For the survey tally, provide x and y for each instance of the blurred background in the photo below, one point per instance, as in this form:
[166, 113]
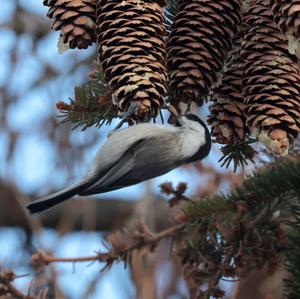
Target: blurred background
[38, 155]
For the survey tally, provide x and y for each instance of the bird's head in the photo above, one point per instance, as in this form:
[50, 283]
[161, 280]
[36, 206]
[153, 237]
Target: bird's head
[194, 126]
[191, 122]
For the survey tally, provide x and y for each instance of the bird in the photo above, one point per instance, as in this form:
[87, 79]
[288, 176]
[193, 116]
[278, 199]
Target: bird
[136, 154]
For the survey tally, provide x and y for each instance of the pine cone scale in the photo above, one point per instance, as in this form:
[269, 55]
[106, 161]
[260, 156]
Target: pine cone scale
[227, 116]
[271, 80]
[132, 52]
[199, 43]
[75, 19]
[287, 16]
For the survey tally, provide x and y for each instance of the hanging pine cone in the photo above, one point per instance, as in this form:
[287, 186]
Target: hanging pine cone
[227, 116]
[131, 47]
[75, 19]
[199, 44]
[271, 80]
[287, 15]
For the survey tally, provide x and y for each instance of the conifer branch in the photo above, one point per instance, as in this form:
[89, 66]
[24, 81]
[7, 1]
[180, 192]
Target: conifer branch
[229, 236]
[239, 155]
[292, 285]
[91, 106]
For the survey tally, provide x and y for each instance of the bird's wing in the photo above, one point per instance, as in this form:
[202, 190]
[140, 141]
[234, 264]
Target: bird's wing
[91, 184]
[117, 144]
[115, 172]
[122, 161]
[146, 158]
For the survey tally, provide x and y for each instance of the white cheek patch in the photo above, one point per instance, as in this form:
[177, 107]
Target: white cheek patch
[192, 139]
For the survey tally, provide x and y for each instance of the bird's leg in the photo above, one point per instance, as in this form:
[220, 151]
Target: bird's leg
[173, 112]
[161, 116]
[131, 110]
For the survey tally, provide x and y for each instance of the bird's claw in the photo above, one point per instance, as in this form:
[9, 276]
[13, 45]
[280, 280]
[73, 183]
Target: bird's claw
[131, 110]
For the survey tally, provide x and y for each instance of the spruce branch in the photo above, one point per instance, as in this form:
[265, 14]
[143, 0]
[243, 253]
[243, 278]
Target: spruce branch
[91, 106]
[229, 236]
[239, 154]
[292, 285]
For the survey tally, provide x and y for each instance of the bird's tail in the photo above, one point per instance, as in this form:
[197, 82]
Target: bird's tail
[54, 199]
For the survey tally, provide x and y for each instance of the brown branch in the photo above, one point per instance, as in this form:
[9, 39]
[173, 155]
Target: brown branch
[105, 214]
[98, 101]
[178, 193]
[7, 288]
[151, 240]
[64, 107]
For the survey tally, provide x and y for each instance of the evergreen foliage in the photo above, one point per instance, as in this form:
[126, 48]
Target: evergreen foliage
[239, 154]
[292, 285]
[91, 105]
[257, 224]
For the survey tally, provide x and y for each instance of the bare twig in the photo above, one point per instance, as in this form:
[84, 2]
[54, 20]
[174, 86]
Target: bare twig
[6, 286]
[140, 240]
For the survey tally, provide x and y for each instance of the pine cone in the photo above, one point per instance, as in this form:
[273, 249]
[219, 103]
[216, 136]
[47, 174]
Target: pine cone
[227, 116]
[75, 19]
[131, 49]
[287, 15]
[199, 44]
[271, 80]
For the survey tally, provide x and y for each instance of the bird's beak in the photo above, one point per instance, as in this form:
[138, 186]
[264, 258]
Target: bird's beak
[174, 113]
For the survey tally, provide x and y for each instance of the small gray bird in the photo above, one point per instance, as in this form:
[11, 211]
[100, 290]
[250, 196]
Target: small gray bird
[137, 154]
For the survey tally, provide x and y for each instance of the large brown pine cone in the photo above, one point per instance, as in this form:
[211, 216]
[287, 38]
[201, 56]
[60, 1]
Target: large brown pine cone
[75, 19]
[199, 44]
[287, 16]
[271, 80]
[227, 116]
[130, 35]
